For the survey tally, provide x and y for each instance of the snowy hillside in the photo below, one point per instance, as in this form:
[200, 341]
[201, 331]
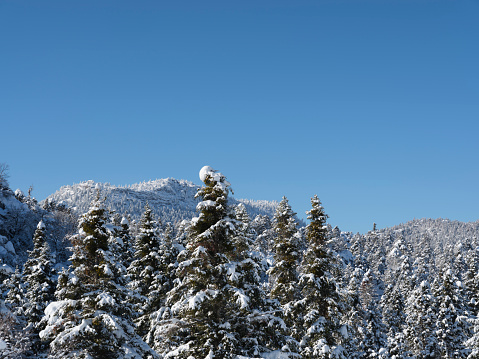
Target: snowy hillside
[170, 199]
[19, 216]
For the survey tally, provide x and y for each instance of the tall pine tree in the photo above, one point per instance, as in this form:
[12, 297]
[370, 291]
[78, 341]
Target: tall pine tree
[321, 313]
[220, 311]
[92, 317]
[37, 274]
[144, 270]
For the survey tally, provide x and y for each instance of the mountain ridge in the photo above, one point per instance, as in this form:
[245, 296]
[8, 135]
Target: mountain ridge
[169, 198]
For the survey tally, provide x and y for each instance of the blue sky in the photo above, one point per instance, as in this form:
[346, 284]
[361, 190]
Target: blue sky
[372, 105]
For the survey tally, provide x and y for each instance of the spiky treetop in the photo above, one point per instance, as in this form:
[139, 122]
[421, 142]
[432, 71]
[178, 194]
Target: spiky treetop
[316, 231]
[146, 258]
[218, 303]
[319, 328]
[37, 275]
[283, 274]
[210, 229]
[420, 328]
[285, 225]
[93, 318]
[92, 237]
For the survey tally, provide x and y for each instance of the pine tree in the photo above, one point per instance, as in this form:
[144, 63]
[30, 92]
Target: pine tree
[219, 309]
[284, 275]
[15, 341]
[451, 323]
[471, 282]
[123, 244]
[392, 303]
[354, 314]
[37, 274]
[320, 299]
[374, 341]
[39, 285]
[145, 269]
[16, 337]
[163, 282]
[16, 294]
[420, 324]
[92, 318]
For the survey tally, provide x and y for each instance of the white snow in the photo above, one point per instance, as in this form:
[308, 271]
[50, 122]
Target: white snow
[206, 170]
[3, 251]
[277, 354]
[105, 299]
[205, 204]
[107, 270]
[3, 345]
[124, 221]
[200, 297]
[242, 299]
[41, 225]
[196, 299]
[53, 307]
[6, 268]
[215, 176]
[9, 247]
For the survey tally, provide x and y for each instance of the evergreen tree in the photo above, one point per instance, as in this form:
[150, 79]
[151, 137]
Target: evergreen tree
[163, 282]
[145, 269]
[374, 341]
[37, 274]
[392, 303]
[451, 323]
[15, 341]
[420, 328]
[471, 282]
[284, 275]
[15, 300]
[219, 309]
[123, 247]
[354, 314]
[92, 318]
[320, 299]
[39, 285]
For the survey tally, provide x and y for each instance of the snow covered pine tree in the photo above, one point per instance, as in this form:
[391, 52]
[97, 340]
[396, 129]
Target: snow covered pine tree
[92, 317]
[219, 308]
[37, 275]
[321, 317]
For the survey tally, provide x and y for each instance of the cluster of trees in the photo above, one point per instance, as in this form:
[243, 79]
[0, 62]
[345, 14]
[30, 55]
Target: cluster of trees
[224, 286]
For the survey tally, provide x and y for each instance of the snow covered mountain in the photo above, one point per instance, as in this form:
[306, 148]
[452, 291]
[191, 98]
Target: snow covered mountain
[170, 199]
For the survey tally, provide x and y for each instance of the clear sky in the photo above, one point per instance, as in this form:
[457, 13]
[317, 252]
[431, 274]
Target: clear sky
[372, 105]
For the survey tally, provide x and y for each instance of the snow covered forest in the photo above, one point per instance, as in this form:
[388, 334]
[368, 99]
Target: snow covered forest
[97, 271]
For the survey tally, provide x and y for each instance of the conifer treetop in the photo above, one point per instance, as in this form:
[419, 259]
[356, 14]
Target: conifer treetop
[316, 231]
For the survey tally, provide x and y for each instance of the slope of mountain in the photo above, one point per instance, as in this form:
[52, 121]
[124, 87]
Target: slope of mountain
[170, 199]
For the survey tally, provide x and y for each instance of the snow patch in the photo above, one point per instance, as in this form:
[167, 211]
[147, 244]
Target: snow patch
[105, 299]
[9, 247]
[41, 225]
[205, 171]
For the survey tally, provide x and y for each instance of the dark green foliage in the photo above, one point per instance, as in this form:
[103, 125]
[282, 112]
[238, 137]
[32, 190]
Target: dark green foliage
[318, 327]
[220, 309]
[284, 274]
[92, 318]
[37, 274]
[451, 324]
[144, 271]
[420, 326]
